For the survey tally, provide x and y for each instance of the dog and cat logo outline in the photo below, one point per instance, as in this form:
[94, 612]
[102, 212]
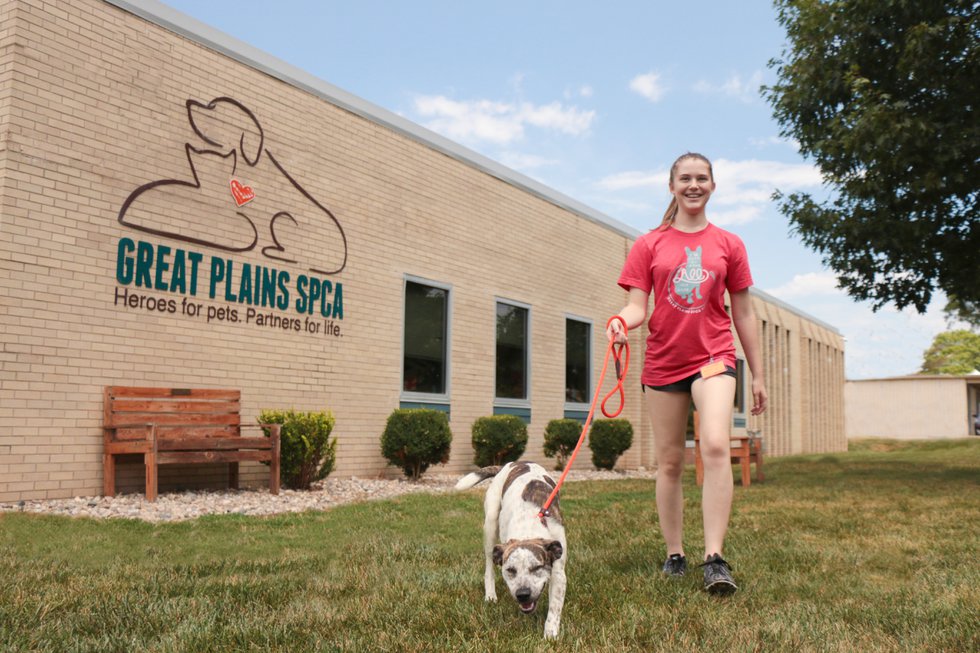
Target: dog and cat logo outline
[686, 281]
[241, 218]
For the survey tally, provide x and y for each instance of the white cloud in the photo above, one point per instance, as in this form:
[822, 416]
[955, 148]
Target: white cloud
[521, 161]
[757, 195]
[634, 179]
[808, 285]
[762, 143]
[744, 91]
[738, 215]
[498, 122]
[743, 188]
[770, 174]
[584, 90]
[886, 343]
[615, 206]
[648, 86]
[555, 116]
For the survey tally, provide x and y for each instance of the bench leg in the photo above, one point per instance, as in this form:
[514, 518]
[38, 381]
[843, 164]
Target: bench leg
[233, 476]
[742, 456]
[746, 470]
[108, 475]
[150, 459]
[274, 464]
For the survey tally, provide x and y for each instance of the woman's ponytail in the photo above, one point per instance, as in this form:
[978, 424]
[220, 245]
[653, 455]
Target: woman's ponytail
[670, 214]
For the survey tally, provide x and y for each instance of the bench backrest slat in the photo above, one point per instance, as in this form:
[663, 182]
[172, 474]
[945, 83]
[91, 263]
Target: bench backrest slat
[176, 412]
[200, 393]
[127, 405]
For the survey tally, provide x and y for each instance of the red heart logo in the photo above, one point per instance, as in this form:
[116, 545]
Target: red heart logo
[242, 194]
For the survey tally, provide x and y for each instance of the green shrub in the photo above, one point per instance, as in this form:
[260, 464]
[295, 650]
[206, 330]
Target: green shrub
[608, 439]
[498, 439]
[415, 438]
[306, 453]
[560, 438]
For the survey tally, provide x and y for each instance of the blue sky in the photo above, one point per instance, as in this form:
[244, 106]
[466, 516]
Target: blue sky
[595, 100]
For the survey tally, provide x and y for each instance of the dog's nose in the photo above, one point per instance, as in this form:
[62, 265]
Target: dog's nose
[523, 595]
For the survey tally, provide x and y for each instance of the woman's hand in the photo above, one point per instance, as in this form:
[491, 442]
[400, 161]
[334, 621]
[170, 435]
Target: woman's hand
[760, 398]
[615, 332]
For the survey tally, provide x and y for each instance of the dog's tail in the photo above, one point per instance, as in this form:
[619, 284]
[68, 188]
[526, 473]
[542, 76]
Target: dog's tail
[478, 476]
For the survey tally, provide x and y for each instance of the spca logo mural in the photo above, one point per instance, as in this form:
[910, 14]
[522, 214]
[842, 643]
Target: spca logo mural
[235, 196]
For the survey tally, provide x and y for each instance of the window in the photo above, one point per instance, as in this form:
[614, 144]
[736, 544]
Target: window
[512, 346]
[578, 353]
[425, 363]
[739, 386]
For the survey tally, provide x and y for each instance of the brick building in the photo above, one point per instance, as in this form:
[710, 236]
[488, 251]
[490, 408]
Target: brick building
[178, 209]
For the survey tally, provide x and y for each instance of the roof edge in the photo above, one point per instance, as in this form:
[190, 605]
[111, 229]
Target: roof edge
[763, 295]
[969, 378]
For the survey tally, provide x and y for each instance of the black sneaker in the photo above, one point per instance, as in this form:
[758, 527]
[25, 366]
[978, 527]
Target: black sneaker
[675, 565]
[718, 576]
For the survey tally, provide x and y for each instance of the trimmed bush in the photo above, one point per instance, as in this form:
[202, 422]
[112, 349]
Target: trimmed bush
[560, 438]
[306, 453]
[498, 439]
[415, 438]
[608, 440]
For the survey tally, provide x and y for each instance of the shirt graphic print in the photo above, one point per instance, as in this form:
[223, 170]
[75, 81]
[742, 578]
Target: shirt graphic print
[686, 281]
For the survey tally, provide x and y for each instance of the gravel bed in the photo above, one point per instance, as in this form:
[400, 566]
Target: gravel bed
[178, 506]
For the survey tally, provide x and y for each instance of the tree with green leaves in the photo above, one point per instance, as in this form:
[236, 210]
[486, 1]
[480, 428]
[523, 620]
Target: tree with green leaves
[881, 94]
[953, 352]
[957, 310]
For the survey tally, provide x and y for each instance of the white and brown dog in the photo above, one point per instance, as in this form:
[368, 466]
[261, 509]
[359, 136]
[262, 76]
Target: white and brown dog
[531, 549]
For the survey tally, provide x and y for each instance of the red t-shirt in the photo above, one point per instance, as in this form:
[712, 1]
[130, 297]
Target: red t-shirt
[687, 273]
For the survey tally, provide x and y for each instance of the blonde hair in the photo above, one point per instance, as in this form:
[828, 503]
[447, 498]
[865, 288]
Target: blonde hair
[671, 211]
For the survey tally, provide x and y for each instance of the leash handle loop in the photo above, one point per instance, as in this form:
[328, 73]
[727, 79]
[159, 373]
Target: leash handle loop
[620, 352]
[621, 356]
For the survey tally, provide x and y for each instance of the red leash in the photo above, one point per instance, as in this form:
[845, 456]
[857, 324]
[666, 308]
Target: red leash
[622, 362]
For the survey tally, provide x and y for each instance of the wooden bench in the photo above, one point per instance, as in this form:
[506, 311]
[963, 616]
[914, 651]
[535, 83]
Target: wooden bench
[176, 425]
[746, 449]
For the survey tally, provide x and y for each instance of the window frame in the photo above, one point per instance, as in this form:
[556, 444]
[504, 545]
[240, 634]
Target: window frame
[507, 402]
[741, 376]
[427, 397]
[572, 406]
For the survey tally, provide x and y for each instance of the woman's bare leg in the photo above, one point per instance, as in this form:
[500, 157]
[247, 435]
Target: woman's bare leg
[713, 398]
[668, 414]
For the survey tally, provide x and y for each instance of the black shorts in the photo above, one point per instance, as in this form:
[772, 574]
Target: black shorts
[684, 385]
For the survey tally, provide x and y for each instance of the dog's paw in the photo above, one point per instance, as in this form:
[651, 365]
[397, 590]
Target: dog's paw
[490, 598]
[551, 627]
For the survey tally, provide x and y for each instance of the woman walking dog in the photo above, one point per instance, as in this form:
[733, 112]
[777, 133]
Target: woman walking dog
[688, 264]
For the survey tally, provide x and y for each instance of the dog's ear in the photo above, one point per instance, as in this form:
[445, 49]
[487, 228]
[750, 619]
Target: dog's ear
[554, 549]
[498, 554]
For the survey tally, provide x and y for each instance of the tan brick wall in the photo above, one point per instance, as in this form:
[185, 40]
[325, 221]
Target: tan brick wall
[911, 407]
[93, 106]
[97, 109]
[804, 367]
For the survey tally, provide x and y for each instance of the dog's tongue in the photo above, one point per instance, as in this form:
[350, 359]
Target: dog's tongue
[529, 606]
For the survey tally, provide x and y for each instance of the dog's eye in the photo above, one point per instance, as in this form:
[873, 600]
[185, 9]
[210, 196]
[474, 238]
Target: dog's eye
[511, 571]
[537, 569]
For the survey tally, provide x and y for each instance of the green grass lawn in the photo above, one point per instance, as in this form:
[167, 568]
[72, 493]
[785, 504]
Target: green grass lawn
[871, 550]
